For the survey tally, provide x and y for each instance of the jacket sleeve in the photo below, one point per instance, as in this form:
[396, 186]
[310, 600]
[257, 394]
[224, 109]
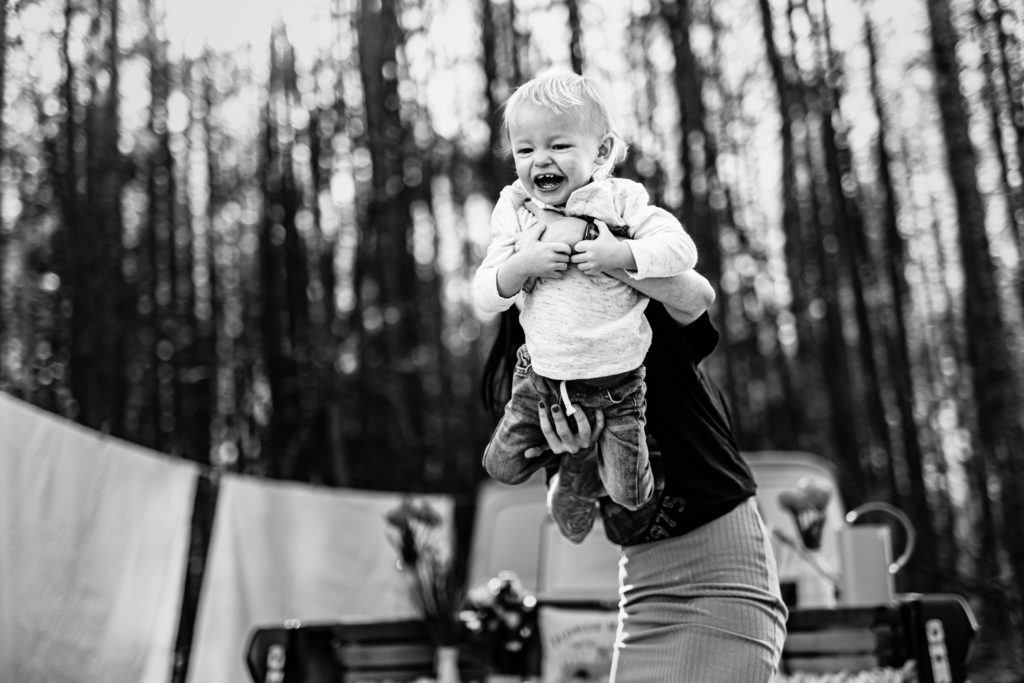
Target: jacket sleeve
[660, 244]
[504, 225]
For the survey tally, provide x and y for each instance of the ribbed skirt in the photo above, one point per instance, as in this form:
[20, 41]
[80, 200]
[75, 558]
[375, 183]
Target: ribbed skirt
[701, 608]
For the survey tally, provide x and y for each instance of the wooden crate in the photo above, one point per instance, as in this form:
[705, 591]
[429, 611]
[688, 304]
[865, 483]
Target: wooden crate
[371, 652]
[823, 641]
[383, 651]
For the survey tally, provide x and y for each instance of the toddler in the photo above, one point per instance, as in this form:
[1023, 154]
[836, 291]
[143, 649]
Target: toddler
[586, 333]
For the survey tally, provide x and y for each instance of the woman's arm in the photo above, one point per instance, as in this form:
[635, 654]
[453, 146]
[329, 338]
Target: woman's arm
[686, 296]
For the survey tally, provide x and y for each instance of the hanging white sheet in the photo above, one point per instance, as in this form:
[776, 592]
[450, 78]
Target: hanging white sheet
[93, 546]
[284, 551]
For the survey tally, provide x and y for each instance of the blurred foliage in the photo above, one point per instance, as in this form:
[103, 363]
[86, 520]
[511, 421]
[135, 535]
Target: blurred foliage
[248, 241]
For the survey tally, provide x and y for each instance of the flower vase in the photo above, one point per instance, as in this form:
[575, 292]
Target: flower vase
[447, 664]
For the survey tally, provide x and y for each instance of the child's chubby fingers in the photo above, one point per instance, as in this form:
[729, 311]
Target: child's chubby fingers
[542, 260]
[556, 261]
[554, 267]
[559, 263]
[584, 262]
[583, 256]
[584, 265]
[560, 248]
[554, 251]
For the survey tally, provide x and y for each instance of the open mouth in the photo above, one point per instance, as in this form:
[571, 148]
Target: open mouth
[547, 181]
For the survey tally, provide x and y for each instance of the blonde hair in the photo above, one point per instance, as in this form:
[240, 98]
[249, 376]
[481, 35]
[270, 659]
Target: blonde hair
[568, 93]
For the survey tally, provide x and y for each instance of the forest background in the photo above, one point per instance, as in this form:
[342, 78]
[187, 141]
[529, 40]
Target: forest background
[243, 234]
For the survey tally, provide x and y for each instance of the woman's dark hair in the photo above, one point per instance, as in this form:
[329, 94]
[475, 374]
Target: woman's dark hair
[496, 383]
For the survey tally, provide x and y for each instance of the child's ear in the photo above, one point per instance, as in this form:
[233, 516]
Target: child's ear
[604, 148]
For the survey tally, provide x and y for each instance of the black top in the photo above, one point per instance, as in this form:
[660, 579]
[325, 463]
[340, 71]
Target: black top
[700, 471]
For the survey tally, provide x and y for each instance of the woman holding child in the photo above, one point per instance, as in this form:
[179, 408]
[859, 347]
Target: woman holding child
[699, 593]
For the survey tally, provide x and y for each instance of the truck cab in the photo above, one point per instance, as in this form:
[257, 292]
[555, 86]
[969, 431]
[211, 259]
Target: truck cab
[576, 586]
[513, 532]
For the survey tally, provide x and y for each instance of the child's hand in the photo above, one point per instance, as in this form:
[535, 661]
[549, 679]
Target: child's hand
[603, 253]
[532, 258]
[542, 259]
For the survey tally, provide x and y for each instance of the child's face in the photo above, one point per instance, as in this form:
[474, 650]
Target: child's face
[555, 154]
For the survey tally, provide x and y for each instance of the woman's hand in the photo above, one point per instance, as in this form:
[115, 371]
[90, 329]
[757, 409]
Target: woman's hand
[572, 489]
[559, 435]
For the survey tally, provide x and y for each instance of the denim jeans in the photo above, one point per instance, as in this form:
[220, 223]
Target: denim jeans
[623, 464]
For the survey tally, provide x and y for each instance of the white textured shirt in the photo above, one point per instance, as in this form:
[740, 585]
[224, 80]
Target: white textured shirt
[586, 326]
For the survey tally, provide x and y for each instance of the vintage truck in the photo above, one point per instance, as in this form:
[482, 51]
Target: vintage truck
[570, 619]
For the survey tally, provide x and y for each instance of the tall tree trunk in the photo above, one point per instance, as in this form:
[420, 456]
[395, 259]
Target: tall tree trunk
[194, 350]
[64, 172]
[211, 335]
[72, 251]
[443, 470]
[338, 327]
[283, 275]
[845, 191]
[181, 325]
[118, 304]
[325, 124]
[699, 158]
[3, 155]
[517, 43]
[896, 332]
[831, 350]
[89, 170]
[896, 338]
[392, 392]
[575, 36]
[158, 241]
[999, 413]
[496, 174]
[783, 79]
[1002, 23]
[823, 277]
[1000, 101]
[941, 349]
